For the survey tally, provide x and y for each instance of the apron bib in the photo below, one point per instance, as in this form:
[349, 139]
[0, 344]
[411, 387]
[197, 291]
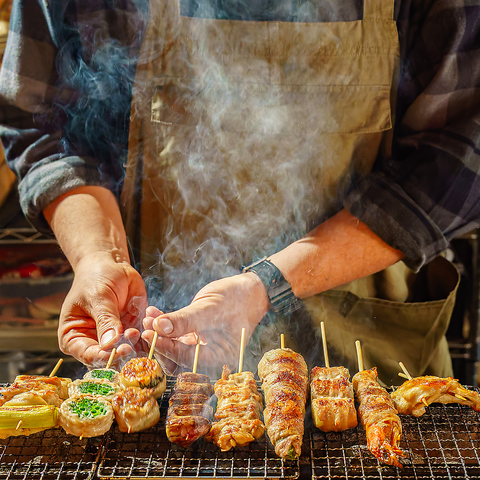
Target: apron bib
[244, 136]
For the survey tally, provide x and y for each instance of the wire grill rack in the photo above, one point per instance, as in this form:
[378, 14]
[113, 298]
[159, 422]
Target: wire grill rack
[149, 454]
[49, 455]
[444, 443]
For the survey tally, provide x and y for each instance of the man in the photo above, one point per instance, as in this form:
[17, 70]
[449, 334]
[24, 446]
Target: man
[256, 130]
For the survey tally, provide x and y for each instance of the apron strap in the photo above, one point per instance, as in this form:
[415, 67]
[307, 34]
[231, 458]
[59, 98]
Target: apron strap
[378, 9]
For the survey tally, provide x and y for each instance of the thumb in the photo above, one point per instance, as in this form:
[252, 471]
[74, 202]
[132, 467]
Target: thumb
[109, 326]
[181, 322]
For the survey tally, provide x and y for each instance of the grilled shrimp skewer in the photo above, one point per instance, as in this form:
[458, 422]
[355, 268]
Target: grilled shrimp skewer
[378, 416]
[413, 395]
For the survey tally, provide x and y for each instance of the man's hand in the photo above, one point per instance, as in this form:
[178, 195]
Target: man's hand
[103, 310]
[217, 315]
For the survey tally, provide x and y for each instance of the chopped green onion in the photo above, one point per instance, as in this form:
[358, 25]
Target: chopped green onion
[93, 388]
[88, 408]
[108, 374]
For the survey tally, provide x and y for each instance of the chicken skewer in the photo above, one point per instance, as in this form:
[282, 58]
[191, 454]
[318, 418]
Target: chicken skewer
[378, 415]
[239, 407]
[284, 376]
[332, 399]
[189, 413]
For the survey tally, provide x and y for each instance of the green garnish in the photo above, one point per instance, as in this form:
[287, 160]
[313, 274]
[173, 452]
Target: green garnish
[108, 374]
[88, 408]
[292, 453]
[93, 388]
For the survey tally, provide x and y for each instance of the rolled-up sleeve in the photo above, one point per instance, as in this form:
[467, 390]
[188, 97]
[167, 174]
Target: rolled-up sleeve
[62, 124]
[428, 192]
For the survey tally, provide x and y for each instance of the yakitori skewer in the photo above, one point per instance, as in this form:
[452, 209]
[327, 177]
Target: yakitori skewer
[195, 359]
[409, 377]
[332, 398]
[359, 355]
[152, 346]
[282, 341]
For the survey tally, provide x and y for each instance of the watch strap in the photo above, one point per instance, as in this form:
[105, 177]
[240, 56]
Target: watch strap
[279, 292]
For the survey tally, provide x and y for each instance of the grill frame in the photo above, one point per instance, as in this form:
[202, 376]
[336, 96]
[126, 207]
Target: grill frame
[443, 443]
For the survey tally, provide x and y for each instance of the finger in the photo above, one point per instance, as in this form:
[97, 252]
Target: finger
[153, 311]
[109, 326]
[181, 322]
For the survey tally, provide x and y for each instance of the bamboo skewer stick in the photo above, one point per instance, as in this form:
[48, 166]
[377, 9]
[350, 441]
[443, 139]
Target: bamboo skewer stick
[195, 360]
[359, 356]
[19, 424]
[407, 374]
[57, 366]
[152, 346]
[242, 346]
[282, 341]
[324, 341]
[112, 355]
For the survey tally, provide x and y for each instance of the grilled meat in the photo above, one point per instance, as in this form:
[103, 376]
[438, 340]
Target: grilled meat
[135, 409]
[238, 414]
[284, 377]
[409, 397]
[189, 414]
[333, 404]
[379, 417]
[144, 372]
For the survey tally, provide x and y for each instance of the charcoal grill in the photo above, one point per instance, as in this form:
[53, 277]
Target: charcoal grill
[442, 444]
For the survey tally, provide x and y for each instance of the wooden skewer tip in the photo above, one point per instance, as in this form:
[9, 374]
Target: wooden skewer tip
[112, 356]
[57, 366]
[19, 424]
[242, 347]
[152, 346]
[359, 355]
[195, 360]
[324, 342]
[282, 341]
[405, 371]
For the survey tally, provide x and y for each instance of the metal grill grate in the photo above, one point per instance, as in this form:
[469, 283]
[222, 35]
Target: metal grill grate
[48, 455]
[443, 443]
[150, 455]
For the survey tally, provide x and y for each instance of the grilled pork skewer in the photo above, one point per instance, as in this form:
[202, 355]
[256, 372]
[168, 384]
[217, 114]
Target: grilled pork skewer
[189, 415]
[238, 414]
[379, 417]
[284, 377]
[414, 395]
[333, 404]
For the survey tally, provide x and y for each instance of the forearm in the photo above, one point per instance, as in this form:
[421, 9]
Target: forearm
[338, 251]
[87, 221]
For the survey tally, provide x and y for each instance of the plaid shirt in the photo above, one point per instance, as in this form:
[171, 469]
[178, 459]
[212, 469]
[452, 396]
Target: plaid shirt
[65, 109]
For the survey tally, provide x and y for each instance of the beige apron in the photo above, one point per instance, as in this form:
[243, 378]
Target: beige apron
[244, 136]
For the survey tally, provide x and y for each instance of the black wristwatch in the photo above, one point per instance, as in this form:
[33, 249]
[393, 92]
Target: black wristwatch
[279, 291]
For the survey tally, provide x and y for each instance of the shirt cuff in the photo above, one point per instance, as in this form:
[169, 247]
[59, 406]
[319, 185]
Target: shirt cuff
[53, 177]
[393, 216]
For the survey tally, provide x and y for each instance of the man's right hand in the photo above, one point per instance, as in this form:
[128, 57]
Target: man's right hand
[102, 310]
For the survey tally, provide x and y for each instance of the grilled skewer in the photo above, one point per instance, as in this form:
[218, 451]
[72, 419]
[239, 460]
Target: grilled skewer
[238, 414]
[284, 377]
[415, 394]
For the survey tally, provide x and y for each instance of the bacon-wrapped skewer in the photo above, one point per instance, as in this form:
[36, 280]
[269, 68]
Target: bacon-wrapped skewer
[333, 404]
[379, 417]
[239, 409]
[415, 394]
[189, 415]
[284, 376]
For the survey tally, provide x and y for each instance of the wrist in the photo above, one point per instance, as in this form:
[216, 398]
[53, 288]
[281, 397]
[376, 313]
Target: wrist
[280, 295]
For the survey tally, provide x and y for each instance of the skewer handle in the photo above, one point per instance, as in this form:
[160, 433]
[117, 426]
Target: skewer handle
[112, 356]
[152, 346]
[324, 341]
[195, 360]
[242, 346]
[405, 371]
[56, 367]
[359, 355]
[282, 341]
